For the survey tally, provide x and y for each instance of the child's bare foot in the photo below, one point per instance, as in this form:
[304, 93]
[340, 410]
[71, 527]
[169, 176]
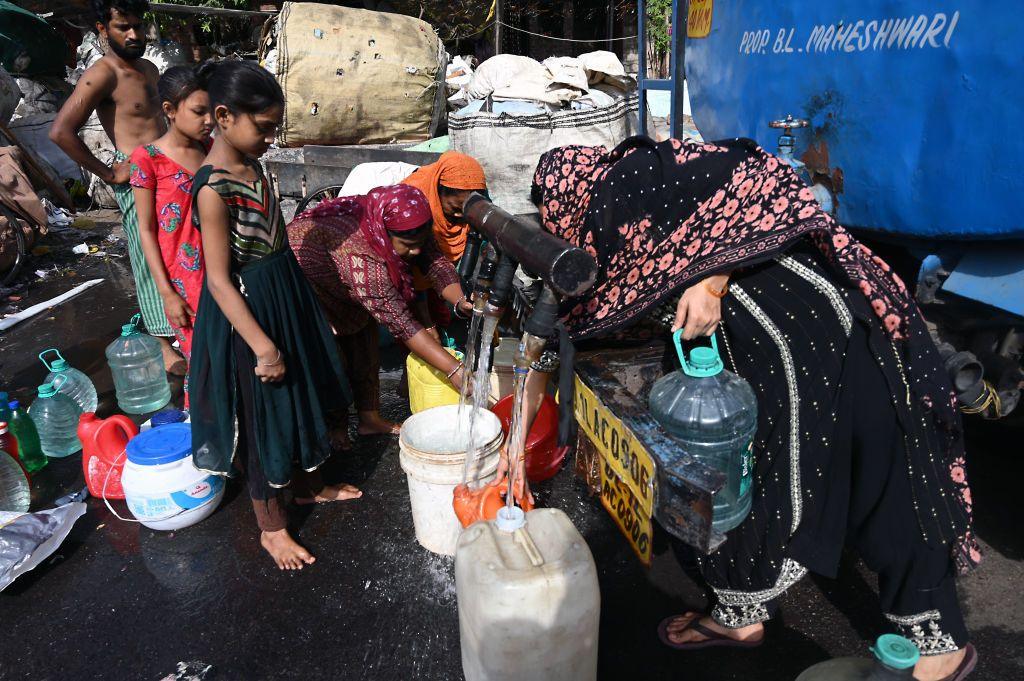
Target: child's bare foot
[330, 493]
[372, 423]
[174, 363]
[285, 551]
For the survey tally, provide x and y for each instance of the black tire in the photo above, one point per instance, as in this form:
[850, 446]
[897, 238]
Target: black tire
[318, 196]
[21, 253]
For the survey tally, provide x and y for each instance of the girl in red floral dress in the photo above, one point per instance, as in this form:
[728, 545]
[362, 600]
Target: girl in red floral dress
[161, 177]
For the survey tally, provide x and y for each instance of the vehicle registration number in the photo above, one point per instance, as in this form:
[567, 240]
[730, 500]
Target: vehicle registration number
[627, 470]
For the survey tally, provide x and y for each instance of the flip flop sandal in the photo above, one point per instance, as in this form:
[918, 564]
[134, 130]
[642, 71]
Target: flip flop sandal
[967, 665]
[713, 640]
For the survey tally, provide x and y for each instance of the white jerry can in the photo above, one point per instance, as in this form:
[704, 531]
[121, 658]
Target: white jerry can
[529, 601]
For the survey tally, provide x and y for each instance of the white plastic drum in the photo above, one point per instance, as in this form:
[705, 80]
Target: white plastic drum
[433, 456]
[162, 488]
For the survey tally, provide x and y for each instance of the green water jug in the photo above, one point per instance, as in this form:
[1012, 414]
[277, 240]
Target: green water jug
[137, 363]
[712, 413]
[55, 416]
[76, 385]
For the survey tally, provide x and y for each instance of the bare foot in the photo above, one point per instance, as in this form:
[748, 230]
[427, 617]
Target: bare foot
[678, 633]
[330, 493]
[174, 363]
[372, 423]
[285, 551]
[936, 667]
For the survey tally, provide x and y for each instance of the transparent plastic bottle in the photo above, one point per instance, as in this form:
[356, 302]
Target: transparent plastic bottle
[713, 414]
[15, 493]
[894, 660]
[56, 418]
[137, 364]
[76, 385]
[24, 429]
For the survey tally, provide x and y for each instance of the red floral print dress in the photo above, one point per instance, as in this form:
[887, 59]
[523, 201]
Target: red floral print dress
[179, 240]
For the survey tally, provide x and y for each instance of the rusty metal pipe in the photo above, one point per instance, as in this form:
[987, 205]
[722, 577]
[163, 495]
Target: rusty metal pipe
[569, 270]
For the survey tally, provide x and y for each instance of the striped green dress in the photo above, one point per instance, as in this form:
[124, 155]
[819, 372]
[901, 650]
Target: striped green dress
[289, 422]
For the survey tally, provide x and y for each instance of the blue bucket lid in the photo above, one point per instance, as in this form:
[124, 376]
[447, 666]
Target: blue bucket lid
[167, 417]
[165, 444]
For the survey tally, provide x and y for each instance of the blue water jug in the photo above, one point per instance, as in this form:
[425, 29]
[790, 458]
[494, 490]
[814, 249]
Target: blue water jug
[56, 418]
[894, 660]
[712, 413]
[137, 363]
[76, 385]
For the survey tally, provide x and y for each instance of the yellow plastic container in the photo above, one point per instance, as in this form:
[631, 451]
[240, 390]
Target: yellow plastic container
[429, 387]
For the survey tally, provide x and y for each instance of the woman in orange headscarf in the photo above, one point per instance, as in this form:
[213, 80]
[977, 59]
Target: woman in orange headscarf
[447, 183]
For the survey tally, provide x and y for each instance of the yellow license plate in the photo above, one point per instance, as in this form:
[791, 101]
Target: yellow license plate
[627, 469]
[698, 21]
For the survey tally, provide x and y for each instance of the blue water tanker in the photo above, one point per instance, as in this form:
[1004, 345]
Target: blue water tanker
[904, 116]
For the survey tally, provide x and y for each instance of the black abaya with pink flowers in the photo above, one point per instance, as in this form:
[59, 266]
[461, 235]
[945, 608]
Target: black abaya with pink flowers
[859, 439]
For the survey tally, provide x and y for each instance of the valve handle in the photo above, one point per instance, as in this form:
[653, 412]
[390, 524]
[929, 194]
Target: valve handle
[788, 123]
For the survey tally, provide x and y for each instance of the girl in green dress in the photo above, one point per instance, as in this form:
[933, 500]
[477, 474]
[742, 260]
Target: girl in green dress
[265, 378]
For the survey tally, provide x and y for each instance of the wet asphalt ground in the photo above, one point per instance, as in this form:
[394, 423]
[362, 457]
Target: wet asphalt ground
[119, 601]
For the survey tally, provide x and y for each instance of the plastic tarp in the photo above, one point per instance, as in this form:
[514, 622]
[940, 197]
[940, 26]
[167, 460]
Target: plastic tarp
[367, 176]
[508, 147]
[352, 76]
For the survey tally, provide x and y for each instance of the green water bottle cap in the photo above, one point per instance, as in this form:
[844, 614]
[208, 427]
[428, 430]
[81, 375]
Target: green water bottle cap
[132, 327]
[895, 651]
[47, 390]
[703, 362]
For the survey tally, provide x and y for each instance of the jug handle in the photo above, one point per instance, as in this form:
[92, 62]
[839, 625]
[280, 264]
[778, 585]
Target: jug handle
[44, 353]
[63, 379]
[677, 338]
[126, 425]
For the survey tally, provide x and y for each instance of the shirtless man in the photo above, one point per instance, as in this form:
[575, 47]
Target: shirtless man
[121, 89]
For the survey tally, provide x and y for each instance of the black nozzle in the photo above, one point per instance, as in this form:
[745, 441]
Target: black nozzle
[544, 316]
[467, 263]
[569, 270]
[501, 285]
[487, 269]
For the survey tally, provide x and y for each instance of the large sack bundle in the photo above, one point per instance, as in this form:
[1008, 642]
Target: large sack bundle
[508, 147]
[351, 76]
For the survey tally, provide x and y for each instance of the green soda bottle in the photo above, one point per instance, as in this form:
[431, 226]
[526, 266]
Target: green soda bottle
[24, 431]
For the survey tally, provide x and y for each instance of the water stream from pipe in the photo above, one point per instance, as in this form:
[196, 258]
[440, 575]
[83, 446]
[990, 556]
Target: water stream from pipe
[516, 434]
[472, 340]
[481, 392]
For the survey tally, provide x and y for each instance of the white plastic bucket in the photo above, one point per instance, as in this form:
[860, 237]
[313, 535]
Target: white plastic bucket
[163, 489]
[434, 463]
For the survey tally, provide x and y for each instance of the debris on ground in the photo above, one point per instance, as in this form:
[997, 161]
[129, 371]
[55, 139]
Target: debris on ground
[27, 539]
[191, 671]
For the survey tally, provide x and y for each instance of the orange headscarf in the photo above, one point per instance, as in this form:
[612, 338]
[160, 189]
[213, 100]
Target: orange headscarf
[455, 171]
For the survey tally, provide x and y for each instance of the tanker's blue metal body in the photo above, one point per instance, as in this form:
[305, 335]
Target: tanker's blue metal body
[927, 136]
[915, 110]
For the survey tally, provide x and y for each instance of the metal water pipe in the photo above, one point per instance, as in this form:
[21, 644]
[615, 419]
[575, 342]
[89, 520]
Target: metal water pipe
[567, 269]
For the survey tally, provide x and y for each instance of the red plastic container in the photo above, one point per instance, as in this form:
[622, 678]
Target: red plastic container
[542, 459]
[103, 445]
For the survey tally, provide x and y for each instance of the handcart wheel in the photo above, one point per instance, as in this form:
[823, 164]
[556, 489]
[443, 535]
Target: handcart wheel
[318, 196]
